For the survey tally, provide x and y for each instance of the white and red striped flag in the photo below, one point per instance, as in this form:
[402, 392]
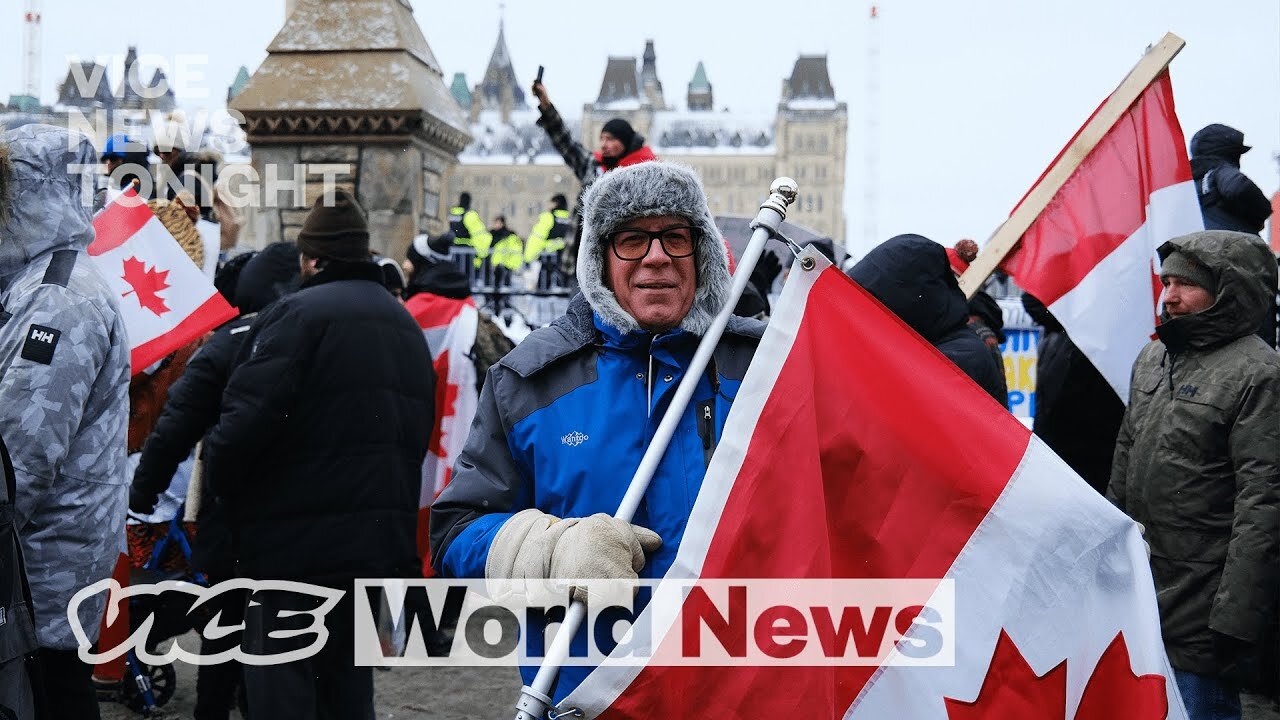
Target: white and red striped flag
[1090, 256]
[855, 450]
[450, 328]
[166, 301]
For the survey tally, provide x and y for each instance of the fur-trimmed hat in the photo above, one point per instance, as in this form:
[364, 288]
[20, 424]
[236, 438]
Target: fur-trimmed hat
[648, 190]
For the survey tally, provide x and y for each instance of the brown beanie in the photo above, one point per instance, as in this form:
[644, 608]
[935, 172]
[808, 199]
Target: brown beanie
[1178, 264]
[337, 231]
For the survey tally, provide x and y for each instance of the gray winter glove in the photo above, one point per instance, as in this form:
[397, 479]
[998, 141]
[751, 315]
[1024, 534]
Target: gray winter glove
[533, 545]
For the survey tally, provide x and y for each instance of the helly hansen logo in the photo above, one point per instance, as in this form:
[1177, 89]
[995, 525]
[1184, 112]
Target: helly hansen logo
[1188, 391]
[574, 439]
[40, 344]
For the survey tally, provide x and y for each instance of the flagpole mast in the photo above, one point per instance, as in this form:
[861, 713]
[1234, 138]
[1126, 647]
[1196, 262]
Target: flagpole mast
[1007, 236]
[535, 700]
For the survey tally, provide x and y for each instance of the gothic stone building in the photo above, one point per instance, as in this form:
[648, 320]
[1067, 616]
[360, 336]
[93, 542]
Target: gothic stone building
[511, 168]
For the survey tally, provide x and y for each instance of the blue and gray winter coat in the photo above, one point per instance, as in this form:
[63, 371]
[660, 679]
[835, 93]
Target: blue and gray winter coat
[64, 379]
[572, 403]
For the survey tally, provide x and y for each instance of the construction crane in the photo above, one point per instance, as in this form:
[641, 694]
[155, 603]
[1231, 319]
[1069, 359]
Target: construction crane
[31, 50]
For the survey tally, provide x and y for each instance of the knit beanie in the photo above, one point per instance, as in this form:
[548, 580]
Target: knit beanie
[427, 248]
[337, 231]
[620, 129]
[1179, 264]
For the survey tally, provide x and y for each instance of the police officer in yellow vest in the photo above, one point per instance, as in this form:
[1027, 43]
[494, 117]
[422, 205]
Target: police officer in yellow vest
[546, 241]
[468, 229]
[507, 254]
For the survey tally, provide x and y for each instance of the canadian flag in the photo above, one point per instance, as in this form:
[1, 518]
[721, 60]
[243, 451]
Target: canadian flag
[450, 328]
[855, 450]
[1090, 256]
[166, 301]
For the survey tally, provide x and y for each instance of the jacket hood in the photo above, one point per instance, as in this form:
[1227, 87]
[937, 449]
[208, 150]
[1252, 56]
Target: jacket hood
[910, 275]
[1219, 141]
[438, 277]
[267, 277]
[1240, 263]
[648, 190]
[46, 208]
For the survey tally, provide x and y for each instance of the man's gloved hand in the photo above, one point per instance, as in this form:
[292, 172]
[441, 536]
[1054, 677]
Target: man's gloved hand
[142, 502]
[533, 545]
[1142, 531]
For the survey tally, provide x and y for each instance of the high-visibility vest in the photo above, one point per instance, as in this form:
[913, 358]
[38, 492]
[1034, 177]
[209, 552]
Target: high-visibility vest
[469, 230]
[507, 251]
[548, 234]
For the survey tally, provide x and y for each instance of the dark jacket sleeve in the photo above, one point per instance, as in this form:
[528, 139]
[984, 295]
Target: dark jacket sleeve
[1241, 196]
[260, 393]
[486, 489]
[1245, 604]
[1118, 488]
[575, 155]
[191, 410]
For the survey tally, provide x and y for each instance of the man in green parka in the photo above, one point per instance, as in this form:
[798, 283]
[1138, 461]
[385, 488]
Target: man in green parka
[1198, 464]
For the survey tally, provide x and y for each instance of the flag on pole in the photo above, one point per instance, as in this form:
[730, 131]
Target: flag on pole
[855, 450]
[1090, 256]
[450, 328]
[166, 301]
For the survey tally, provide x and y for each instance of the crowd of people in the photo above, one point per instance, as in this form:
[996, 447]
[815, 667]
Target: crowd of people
[309, 416]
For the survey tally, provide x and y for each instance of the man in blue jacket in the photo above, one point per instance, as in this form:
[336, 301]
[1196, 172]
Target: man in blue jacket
[565, 417]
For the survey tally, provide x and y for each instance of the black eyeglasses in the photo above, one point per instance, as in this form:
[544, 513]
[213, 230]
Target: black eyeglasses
[632, 244]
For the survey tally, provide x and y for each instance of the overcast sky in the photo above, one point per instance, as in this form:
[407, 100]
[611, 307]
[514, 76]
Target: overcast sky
[975, 98]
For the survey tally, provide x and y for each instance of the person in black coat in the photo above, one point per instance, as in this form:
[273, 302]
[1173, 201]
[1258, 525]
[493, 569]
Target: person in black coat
[1229, 200]
[318, 454]
[911, 276]
[191, 410]
[1078, 414]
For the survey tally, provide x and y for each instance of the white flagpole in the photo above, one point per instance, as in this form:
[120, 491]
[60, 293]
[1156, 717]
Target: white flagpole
[535, 700]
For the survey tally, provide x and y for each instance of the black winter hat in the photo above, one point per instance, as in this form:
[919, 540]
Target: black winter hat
[337, 231]
[427, 248]
[620, 129]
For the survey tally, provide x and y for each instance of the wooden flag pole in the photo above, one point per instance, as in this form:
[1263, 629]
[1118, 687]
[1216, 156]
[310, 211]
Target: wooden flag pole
[1006, 237]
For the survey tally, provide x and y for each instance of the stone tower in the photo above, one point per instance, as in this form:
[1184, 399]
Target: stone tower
[350, 90]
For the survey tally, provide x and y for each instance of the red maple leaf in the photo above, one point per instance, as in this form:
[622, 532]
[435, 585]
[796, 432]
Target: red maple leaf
[446, 398]
[146, 284]
[1113, 691]
[1012, 691]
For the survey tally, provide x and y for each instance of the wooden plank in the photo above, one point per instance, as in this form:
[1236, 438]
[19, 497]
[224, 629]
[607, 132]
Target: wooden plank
[1007, 236]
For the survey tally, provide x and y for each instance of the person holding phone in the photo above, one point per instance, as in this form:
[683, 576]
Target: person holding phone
[620, 146]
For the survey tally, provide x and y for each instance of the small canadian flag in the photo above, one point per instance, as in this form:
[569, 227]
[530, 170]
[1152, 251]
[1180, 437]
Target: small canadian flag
[166, 301]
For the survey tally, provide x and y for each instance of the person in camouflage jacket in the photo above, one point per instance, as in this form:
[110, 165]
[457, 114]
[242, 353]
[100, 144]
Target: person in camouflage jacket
[1197, 463]
[64, 378]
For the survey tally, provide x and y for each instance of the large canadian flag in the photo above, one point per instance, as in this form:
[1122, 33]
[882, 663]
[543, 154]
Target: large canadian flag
[855, 450]
[450, 328]
[1090, 256]
[166, 301]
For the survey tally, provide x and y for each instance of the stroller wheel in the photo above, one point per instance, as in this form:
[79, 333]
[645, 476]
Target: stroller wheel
[163, 680]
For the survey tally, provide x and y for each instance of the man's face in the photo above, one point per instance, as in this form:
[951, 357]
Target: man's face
[657, 290]
[1183, 297]
[610, 146]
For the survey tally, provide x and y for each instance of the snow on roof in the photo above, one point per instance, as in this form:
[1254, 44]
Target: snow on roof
[811, 103]
[677, 131]
[516, 142]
